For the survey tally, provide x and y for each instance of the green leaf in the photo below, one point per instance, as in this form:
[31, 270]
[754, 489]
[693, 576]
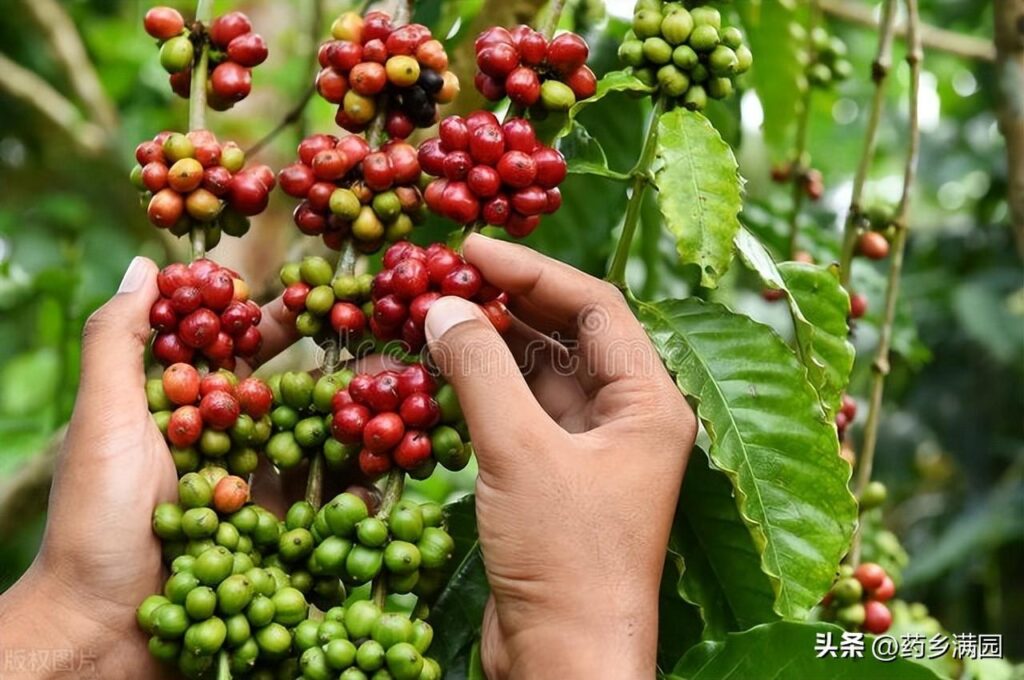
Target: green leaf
[777, 73]
[613, 81]
[699, 191]
[459, 610]
[786, 651]
[721, 565]
[679, 622]
[585, 155]
[771, 438]
[818, 305]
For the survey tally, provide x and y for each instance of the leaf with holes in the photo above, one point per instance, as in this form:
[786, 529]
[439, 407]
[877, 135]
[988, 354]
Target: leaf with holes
[770, 437]
[699, 192]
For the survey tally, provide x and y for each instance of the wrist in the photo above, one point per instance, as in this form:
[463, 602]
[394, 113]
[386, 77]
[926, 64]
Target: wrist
[613, 638]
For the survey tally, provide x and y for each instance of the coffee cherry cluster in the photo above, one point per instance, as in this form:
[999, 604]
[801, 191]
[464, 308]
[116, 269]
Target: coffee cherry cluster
[857, 600]
[371, 64]
[204, 312]
[809, 179]
[213, 419]
[301, 418]
[401, 419]
[344, 540]
[498, 174]
[190, 180]
[530, 70]
[234, 51]
[413, 278]
[360, 641]
[225, 592]
[825, 59]
[328, 306]
[686, 54]
[845, 416]
[350, 191]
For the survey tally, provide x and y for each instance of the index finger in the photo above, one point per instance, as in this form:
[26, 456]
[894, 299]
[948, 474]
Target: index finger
[554, 297]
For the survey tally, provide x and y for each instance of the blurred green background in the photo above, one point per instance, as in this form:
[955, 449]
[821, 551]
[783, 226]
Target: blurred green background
[85, 87]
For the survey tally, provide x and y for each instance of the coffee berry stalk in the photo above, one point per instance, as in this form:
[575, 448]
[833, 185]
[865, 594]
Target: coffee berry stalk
[857, 599]
[191, 181]
[533, 72]
[353, 192]
[234, 50]
[372, 66]
[204, 315]
[213, 419]
[688, 55]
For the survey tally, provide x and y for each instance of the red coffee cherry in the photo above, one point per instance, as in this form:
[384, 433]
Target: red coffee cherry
[413, 450]
[248, 50]
[219, 410]
[517, 169]
[230, 81]
[254, 397]
[218, 381]
[185, 426]
[873, 245]
[877, 618]
[858, 305]
[487, 144]
[163, 23]
[226, 28]
[383, 432]
[169, 349]
[523, 86]
[374, 464]
[230, 494]
[415, 379]
[181, 384]
[420, 410]
[870, 575]
[567, 52]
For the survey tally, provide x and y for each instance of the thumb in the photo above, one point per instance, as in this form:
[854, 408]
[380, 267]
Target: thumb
[496, 401]
[114, 340]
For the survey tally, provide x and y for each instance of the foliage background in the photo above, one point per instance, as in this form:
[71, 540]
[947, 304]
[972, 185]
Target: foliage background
[951, 448]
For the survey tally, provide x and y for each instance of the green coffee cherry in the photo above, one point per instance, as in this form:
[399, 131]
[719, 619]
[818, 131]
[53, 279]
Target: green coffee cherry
[404, 661]
[242, 561]
[435, 547]
[370, 655]
[719, 88]
[198, 547]
[707, 16]
[732, 37]
[167, 522]
[234, 594]
[851, 616]
[344, 513]
[290, 606]
[213, 566]
[723, 61]
[261, 611]
[300, 516]
[283, 451]
[647, 23]
[201, 603]
[340, 654]
[164, 650]
[274, 640]
[297, 386]
[406, 524]
[156, 397]
[295, 545]
[238, 630]
[176, 54]
[556, 96]
[290, 273]
[284, 417]
[372, 532]
[179, 585]
[360, 617]
[314, 664]
[657, 51]
[245, 520]
[199, 523]
[874, 496]
[331, 630]
[704, 38]
[696, 98]
[144, 614]
[403, 583]
[311, 432]
[318, 301]
[673, 81]
[332, 553]
[316, 271]
[432, 514]
[631, 53]
[306, 635]
[170, 621]
[262, 581]
[401, 557]
[684, 57]
[345, 204]
[677, 26]
[744, 59]
[847, 591]
[214, 444]
[176, 147]
[422, 636]
[194, 491]
[819, 74]
[363, 564]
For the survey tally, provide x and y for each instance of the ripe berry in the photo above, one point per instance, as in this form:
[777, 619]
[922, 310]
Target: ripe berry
[517, 169]
[523, 86]
[554, 201]
[530, 201]
[870, 575]
[533, 48]
[567, 52]
[163, 23]
[884, 592]
[186, 299]
[521, 226]
[383, 432]
[497, 210]
[498, 60]
[230, 81]
[314, 144]
[454, 134]
[410, 279]
[484, 181]
[219, 410]
[419, 307]
[487, 144]
[248, 50]
[858, 305]
[200, 328]
[582, 82]
[168, 349]
[377, 172]
[519, 135]
[459, 204]
[877, 617]
[415, 379]
[217, 180]
[217, 290]
[420, 410]
[296, 179]
[254, 397]
[230, 494]
[389, 311]
[368, 78]
[464, 281]
[331, 85]
[550, 167]
[413, 450]
[165, 208]
[873, 245]
[162, 316]
[347, 318]
[374, 464]
[457, 165]
[248, 195]
[479, 118]
[185, 426]
[181, 384]
[349, 422]
[382, 394]
[226, 28]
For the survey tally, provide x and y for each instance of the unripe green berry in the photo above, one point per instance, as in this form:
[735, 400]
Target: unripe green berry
[723, 61]
[657, 51]
[719, 88]
[290, 273]
[319, 300]
[696, 98]
[874, 496]
[744, 59]
[170, 621]
[732, 37]
[707, 16]
[316, 271]
[176, 147]
[851, 616]
[363, 564]
[176, 54]
[360, 617]
[647, 23]
[699, 74]
[201, 603]
[556, 96]
[677, 26]
[684, 57]
[673, 81]
[847, 591]
[344, 204]
[631, 53]
[704, 38]
[283, 451]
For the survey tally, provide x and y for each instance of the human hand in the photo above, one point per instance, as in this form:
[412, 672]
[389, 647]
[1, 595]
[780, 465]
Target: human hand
[99, 558]
[579, 469]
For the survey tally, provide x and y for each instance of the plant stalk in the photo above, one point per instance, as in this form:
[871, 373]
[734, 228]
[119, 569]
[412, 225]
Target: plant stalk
[554, 15]
[197, 107]
[617, 270]
[393, 488]
[223, 667]
[800, 163]
[881, 365]
[315, 481]
[879, 73]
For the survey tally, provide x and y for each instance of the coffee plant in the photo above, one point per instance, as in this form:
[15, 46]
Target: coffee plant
[775, 539]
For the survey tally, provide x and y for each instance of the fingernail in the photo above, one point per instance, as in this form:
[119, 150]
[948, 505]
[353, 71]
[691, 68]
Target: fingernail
[134, 277]
[448, 312]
